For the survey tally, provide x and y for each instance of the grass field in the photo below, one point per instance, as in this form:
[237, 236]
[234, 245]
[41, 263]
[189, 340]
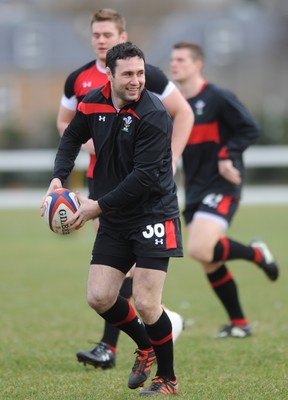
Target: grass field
[44, 318]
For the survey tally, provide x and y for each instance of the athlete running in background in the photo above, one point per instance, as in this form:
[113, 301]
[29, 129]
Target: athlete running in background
[213, 171]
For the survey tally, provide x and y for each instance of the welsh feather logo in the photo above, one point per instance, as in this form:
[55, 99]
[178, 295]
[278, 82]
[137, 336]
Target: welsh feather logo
[199, 107]
[127, 123]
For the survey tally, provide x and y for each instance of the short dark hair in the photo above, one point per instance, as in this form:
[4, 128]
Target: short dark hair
[196, 51]
[120, 52]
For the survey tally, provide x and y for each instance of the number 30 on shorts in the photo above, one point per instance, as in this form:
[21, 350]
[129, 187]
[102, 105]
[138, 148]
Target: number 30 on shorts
[158, 230]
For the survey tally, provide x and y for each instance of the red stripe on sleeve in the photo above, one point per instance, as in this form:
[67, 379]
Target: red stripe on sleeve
[223, 153]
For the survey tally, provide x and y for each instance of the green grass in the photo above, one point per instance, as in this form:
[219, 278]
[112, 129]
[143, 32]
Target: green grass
[44, 318]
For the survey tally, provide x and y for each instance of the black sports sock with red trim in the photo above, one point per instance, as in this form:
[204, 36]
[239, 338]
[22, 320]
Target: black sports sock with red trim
[111, 334]
[225, 288]
[123, 316]
[160, 334]
[228, 249]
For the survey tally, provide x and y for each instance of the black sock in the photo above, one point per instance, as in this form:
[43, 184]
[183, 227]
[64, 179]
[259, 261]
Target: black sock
[225, 288]
[111, 334]
[126, 288]
[160, 334]
[228, 249]
[123, 316]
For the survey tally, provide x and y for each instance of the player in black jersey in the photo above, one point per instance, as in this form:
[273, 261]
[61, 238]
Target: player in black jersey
[135, 197]
[213, 170]
[108, 29]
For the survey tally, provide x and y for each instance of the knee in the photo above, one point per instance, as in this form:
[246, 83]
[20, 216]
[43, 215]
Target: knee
[148, 307]
[200, 252]
[194, 251]
[143, 305]
[98, 301]
[95, 301]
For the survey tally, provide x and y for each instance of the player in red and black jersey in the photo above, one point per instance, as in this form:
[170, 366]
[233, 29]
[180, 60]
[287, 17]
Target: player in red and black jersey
[108, 29]
[213, 172]
[135, 197]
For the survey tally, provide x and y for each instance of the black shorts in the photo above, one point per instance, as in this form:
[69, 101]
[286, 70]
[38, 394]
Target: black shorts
[218, 204]
[149, 246]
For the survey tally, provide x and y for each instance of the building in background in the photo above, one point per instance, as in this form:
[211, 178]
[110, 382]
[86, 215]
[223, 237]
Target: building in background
[245, 50]
[37, 51]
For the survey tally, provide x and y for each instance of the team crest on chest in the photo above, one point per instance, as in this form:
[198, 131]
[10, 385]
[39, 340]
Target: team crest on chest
[127, 122]
[199, 106]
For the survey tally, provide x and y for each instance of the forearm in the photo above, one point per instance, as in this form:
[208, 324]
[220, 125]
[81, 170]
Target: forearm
[65, 158]
[64, 118]
[61, 126]
[88, 147]
[182, 126]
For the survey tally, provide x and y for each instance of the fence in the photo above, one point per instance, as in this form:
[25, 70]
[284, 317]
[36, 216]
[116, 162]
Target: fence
[43, 160]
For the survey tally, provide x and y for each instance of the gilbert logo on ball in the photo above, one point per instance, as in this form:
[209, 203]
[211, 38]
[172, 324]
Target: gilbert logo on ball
[59, 206]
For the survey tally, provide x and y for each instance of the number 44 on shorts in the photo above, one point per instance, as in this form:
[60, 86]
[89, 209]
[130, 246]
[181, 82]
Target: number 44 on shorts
[212, 200]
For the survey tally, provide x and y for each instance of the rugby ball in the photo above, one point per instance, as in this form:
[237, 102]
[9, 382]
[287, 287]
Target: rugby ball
[59, 206]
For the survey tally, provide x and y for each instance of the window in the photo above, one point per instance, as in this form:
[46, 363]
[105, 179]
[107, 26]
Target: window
[30, 46]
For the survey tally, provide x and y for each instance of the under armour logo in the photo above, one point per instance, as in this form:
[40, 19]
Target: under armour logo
[105, 357]
[158, 241]
[87, 84]
[102, 118]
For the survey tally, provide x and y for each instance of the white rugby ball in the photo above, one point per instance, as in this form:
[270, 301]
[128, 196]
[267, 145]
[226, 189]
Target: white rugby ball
[59, 206]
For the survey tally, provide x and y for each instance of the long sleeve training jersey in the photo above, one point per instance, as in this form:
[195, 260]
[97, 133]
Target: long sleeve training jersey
[223, 129]
[133, 178]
